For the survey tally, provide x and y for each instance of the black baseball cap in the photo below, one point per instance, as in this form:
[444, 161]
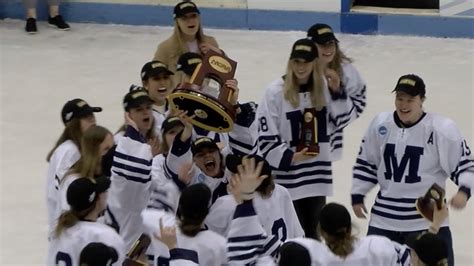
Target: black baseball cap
[77, 108]
[188, 62]
[135, 98]
[194, 201]
[304, 49]
[170, 123]
[411, 84]
[97, 254]
[233, 160]
[321, 33]
[82, 192]
[184, 8]
[201, 143]
[430, 248]
[335, 219]
[153, 69]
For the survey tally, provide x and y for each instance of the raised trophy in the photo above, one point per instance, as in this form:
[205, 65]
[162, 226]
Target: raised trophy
[309, 132]
[206, 95]
[434, 198]
[137, 251]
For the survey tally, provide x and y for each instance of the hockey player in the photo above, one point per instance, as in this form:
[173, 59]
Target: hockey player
[78, 227]
[193, 243]
[95, 144]
[280, 115]
[77, 116]
[405, 152]
[156, 79]
[335, 62]
[272, 203]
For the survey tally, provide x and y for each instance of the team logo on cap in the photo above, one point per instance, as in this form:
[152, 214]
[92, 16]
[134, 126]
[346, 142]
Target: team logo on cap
[139, 94]
[92, 197]
[303, 48]
[186, 5]
[68, 116]
[81, 103]
[407, 82]
[194, 61]
[324, 30]
[155, 65]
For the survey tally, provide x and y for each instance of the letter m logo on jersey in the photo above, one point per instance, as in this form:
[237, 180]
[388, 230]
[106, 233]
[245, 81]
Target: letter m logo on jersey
[396, 170]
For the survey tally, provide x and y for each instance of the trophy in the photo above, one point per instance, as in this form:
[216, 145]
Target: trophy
[309, 132]
[138, 250]
[426, 204]
[206, 95]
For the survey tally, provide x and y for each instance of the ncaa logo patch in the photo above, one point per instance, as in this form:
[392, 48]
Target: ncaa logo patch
[382, 130]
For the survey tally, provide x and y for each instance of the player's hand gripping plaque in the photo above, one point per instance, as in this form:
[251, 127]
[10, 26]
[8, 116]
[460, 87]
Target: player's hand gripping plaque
[211, 105]
[309, 132]
[137, 252]
[434, 198]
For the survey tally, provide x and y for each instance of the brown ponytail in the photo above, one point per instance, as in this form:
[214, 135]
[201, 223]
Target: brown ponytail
[342, 244]
[191, 227]
[70, 218]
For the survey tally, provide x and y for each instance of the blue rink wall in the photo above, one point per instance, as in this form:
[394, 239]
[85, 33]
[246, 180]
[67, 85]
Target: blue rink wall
[248, 14]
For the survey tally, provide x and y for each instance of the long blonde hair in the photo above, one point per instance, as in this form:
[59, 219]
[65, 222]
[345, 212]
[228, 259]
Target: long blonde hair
[181, 47]
[69, 218]
[72, 131]
[291, 86]
[339, 58]
[90, 160]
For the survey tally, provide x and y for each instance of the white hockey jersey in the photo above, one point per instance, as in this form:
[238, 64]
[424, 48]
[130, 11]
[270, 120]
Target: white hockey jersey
[276, 214]
[129, 191]
[279, 135]
[65, 156]
[405, 162]
[247, 238]
[68, 246]
[368, 251]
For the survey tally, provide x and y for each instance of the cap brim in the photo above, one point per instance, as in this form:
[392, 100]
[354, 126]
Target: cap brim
[88, 111]
[307, 57]
[159, 71]
[171, 125]
[139, 101]
[324, 39]
[408, 90]
[203, 145]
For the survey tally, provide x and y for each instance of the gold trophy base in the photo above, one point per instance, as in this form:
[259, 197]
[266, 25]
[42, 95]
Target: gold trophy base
[210, 113]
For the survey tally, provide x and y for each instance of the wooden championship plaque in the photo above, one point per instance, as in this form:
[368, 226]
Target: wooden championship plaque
[213, 111]
[138, 250]
[309, 132]
[433, 197]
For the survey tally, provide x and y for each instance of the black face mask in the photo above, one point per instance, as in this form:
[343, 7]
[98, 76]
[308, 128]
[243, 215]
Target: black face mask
[107, 160]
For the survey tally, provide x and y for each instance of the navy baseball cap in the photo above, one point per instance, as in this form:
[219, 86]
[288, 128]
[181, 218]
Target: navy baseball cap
[304, 49]
[194, 201]
[184, 8]
[430, 248]
[188, 62]
[82, 192]
[201, 143]
[233, 160]
[153, 69]
[335, 219]
[411, 84]
[135, 98]
[77, 108]
[321, 33]
[170, 123]
[97, 254]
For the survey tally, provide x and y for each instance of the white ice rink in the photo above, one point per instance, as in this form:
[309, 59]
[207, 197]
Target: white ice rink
[99, 62]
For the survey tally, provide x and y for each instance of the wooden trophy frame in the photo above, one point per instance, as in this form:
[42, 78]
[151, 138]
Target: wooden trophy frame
[138, 249]
[433, 198]
[211, 113]
[309, 132]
